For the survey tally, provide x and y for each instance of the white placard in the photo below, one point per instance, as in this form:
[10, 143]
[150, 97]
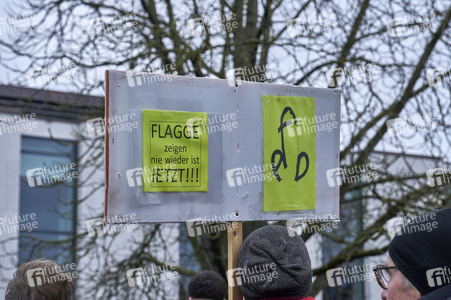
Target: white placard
[235, 141]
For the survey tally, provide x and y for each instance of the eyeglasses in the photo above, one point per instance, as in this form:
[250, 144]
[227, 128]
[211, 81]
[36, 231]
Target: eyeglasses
[382, 276]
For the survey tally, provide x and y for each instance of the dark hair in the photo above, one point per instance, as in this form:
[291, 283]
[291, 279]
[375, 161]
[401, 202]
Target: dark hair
[58, 285]
[207, 284]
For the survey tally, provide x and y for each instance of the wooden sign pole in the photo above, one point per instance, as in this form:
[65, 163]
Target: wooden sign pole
[234, 241]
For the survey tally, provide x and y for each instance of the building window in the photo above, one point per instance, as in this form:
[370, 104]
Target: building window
[48, 189]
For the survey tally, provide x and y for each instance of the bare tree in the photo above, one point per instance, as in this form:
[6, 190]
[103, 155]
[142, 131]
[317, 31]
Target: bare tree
[388, 57]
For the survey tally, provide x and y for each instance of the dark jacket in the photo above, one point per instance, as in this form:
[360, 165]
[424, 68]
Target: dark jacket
[290, 298]
[443, 293]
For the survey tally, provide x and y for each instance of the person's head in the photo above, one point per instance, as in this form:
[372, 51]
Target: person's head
[207, 285]
[39, 279]
[398, 286]
[274, 264]
[421, 247]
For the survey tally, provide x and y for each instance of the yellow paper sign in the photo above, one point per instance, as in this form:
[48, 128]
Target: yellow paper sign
[175, 151]
[290, 149]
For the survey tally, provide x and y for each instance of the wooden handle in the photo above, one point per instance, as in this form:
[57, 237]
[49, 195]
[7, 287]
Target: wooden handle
[234, 242]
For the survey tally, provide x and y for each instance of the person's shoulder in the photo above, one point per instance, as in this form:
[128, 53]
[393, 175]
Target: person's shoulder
[443, 293]
[290, 298]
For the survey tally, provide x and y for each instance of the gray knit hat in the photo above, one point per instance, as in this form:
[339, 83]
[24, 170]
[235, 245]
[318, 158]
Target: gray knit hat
[287, 256]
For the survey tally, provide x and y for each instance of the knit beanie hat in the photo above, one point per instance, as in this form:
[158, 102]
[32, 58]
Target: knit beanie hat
[422, 251]
[207, 285]
[274, 264]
